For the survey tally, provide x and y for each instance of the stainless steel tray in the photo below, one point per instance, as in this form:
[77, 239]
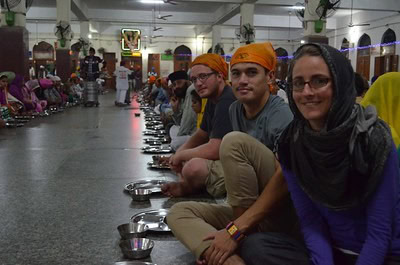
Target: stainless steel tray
[154, 220]
[157, 150]
[155, 132]
[133, 263]
[157, 166]
[151, 184]
[162, 140]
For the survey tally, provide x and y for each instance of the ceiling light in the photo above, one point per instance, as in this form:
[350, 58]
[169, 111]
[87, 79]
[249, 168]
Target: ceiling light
[152, 1]
[298, 7]
[302, 41]
[89, 36]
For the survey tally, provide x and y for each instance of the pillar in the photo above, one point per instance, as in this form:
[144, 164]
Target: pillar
[216, 37]
[63, 57]
[84, 34]
[315, 30]
[14, 55]
[247, 21]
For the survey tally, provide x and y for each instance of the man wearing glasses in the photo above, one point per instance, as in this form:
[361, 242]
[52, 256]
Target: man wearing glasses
[257, 196]
[197, 161]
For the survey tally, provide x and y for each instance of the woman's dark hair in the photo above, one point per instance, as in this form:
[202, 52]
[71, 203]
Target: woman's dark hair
[92, 50]
[361, 84]
[195, 96]
[309, 50]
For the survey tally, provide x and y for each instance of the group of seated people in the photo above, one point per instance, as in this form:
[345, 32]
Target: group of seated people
[315, 180]
[37, 96]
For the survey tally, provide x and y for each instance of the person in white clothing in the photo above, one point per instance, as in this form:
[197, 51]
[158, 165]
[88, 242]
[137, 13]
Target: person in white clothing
[122, 83]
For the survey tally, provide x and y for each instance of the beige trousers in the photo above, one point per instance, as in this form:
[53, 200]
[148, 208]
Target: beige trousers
[248, 165]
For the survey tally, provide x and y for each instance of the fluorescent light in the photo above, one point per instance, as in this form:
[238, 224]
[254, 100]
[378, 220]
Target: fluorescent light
[152, 1]
[298, 7]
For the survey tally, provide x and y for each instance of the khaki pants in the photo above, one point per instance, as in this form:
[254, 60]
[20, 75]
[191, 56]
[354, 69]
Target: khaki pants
[248, 166]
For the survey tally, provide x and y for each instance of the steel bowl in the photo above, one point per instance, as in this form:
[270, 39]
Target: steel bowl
[140, 194]
[132, 230]
[136, 248]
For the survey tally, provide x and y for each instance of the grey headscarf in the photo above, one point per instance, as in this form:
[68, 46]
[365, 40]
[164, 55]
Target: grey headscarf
[340, 166]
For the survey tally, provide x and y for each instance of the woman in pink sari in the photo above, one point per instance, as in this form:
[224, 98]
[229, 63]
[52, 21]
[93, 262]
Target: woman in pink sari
[30, 97]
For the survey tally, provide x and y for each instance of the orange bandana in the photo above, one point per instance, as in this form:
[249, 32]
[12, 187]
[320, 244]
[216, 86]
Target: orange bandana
[259, 53]
[214, 61]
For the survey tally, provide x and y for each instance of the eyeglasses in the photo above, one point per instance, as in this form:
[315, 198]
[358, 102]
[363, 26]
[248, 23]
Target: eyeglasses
[202, 77]
[315, 83]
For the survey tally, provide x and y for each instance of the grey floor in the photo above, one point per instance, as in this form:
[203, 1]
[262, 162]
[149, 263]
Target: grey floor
[61, 188]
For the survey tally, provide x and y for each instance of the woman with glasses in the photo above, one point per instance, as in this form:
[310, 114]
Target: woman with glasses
[340, 165]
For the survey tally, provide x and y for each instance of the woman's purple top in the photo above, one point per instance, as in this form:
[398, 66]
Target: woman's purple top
[16, 87]
[372, 230]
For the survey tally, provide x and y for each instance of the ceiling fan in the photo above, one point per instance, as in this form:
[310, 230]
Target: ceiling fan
[170, 2]
[351, 19]
[156, 36]
[156, 29]
[163, 17]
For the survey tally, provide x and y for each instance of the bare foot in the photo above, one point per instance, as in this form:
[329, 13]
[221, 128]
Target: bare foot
[173, 189]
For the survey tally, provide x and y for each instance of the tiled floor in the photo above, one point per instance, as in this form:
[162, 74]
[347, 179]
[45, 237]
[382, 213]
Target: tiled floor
[61, 188]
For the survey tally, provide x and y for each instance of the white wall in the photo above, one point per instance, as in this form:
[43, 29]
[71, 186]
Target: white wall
[375, 32]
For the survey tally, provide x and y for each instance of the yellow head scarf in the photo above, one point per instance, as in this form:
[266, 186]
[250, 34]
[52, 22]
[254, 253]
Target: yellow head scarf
[384, 94]
[259, 53]
[214, 61]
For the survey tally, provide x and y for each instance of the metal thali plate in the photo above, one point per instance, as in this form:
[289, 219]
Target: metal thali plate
[133, 263]
[155, 132]
[154, 220]
[151, 184]
[157, 150]
[157, 165]
[162, 140]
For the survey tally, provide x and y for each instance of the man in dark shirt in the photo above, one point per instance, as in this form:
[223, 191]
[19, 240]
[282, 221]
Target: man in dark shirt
[197, 161]
[91, 66]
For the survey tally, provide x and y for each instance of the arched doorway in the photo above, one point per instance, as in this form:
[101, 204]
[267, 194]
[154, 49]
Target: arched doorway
[182, 58]
[389, 37]
[364, 56]
[282, 63]
[388, 61]
[345, 47]
[43, 58]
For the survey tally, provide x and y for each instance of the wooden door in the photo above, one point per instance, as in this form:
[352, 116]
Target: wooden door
[379, 66]
[363, 64]
[111, 60]
[154, 61]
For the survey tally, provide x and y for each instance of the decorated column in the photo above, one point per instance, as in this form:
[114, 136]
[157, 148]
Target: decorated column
[315, 22]
[14, 47]
[216, 39]
[247, 31]
[64, 35]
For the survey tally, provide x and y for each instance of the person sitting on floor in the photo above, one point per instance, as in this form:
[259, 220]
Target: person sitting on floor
[340, 165]
[184, 116]
[30, 98]
[197, 161]
[198, 106]
[51, 95]
[257, 195]
[384, 94]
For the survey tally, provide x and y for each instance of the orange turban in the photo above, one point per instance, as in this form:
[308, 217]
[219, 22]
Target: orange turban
[259, 53]
[214, 61]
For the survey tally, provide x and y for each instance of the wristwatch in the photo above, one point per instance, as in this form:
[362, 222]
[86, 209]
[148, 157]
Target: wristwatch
[234, 232]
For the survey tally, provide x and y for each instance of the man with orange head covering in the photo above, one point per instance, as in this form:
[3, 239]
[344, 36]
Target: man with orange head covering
[197, 161]
[251, 172]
